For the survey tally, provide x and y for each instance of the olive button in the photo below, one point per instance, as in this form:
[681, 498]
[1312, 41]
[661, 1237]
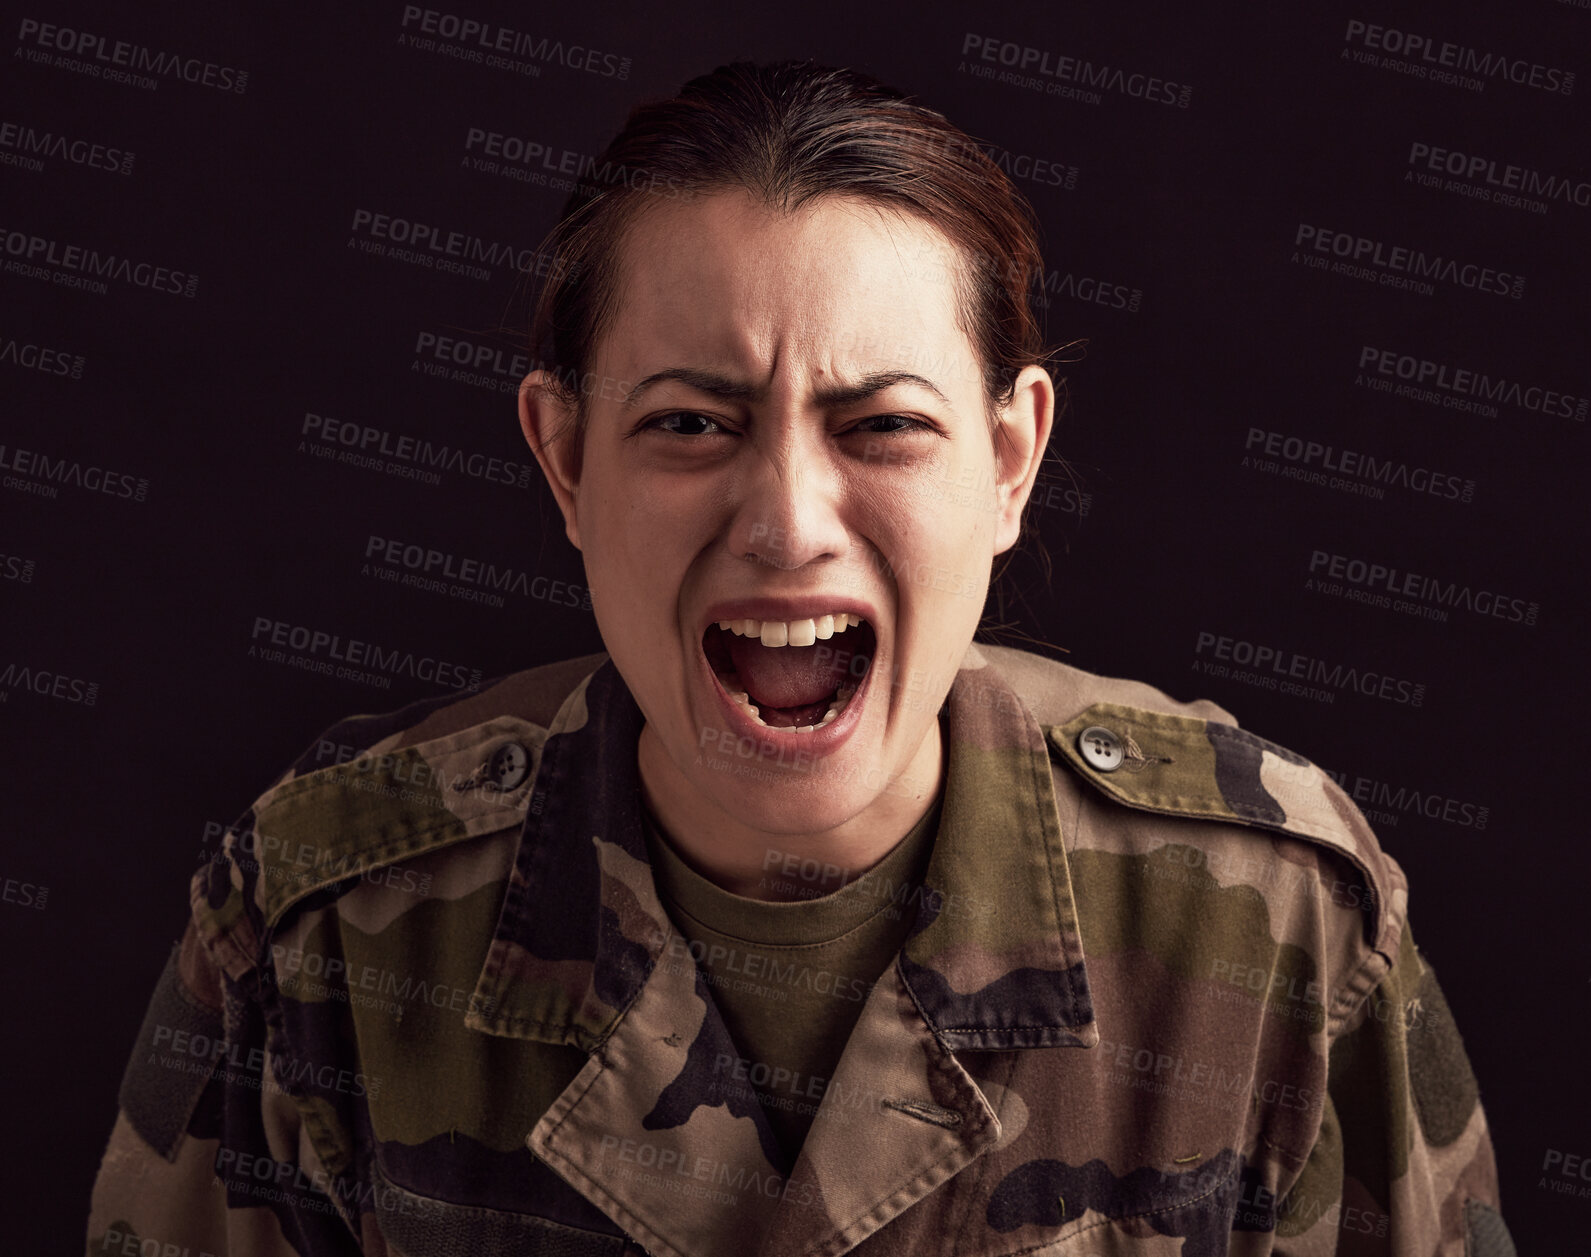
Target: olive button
[509, 766]
[1101, 748]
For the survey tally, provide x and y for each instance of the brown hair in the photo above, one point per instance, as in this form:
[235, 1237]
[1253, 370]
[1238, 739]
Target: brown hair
[790, 132]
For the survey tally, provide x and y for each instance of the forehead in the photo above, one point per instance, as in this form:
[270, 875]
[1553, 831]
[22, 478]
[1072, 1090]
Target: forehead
[840, 285]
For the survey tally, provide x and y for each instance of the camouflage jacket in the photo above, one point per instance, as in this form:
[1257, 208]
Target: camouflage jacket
[1159, 997]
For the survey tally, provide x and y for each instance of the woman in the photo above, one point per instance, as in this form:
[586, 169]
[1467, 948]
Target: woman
[797, 922]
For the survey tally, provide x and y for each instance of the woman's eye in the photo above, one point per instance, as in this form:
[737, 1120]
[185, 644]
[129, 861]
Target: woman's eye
[889, 424]
[685, 423]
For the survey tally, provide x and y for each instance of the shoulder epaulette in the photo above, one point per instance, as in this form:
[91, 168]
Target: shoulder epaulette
[1184, 766]
[338, 822]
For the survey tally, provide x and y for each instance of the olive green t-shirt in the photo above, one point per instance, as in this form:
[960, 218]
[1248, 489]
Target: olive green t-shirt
[790, 977]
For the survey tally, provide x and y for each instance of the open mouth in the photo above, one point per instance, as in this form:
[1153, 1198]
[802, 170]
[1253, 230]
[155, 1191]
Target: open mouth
[791, 674]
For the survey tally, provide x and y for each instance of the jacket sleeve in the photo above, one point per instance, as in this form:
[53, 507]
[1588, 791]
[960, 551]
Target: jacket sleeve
[1403, 1163]
[207, 1154]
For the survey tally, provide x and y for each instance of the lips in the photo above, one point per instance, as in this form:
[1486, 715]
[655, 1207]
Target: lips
[788, 671]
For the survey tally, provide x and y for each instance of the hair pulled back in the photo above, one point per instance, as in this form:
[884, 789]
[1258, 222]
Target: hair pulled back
[790, 132]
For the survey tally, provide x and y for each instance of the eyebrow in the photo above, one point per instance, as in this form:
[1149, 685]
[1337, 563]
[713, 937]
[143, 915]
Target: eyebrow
[829, 395]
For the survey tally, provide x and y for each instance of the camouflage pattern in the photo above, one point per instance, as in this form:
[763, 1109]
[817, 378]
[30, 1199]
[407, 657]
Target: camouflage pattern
[1173, 1008]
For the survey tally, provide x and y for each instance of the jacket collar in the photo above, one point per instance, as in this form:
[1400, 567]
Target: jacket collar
[993, 962]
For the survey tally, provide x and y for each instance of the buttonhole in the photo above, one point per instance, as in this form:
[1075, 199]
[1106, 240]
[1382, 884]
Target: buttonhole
[930, 1113]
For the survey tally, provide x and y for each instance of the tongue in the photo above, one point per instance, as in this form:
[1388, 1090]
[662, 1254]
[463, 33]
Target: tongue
[789, 676]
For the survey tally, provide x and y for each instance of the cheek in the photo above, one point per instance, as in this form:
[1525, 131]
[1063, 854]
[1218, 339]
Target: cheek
[943, 533]
[946, 508]
[627, 524]
[640, 540]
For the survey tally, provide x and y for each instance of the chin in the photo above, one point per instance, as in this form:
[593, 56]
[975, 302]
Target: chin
[777, 800]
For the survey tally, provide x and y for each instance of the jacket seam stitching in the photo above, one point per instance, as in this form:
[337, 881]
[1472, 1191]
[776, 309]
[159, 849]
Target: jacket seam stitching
[1142, 1213]
[303, 783]
[1072, 960]
[842, 1228]
[394, 849]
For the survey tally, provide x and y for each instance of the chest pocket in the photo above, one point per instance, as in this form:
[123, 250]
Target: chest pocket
[423, 1226]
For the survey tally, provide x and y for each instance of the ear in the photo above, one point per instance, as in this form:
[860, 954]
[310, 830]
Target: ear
[1021, 435]
[553, 436]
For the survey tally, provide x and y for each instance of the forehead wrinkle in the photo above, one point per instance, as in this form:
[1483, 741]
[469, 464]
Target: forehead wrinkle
[835, 337]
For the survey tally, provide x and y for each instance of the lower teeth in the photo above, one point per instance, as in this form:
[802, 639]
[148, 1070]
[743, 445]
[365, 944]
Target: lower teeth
[841, 697]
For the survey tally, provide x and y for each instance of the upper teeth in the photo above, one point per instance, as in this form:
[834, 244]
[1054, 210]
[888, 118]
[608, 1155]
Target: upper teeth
[792, 632]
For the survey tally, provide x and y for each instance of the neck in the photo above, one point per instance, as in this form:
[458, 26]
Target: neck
[739, 857]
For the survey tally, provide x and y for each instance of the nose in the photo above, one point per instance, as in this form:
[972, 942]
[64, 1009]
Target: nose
[788, 509]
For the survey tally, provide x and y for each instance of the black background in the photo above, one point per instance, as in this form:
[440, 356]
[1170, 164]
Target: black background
[1194, 209]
